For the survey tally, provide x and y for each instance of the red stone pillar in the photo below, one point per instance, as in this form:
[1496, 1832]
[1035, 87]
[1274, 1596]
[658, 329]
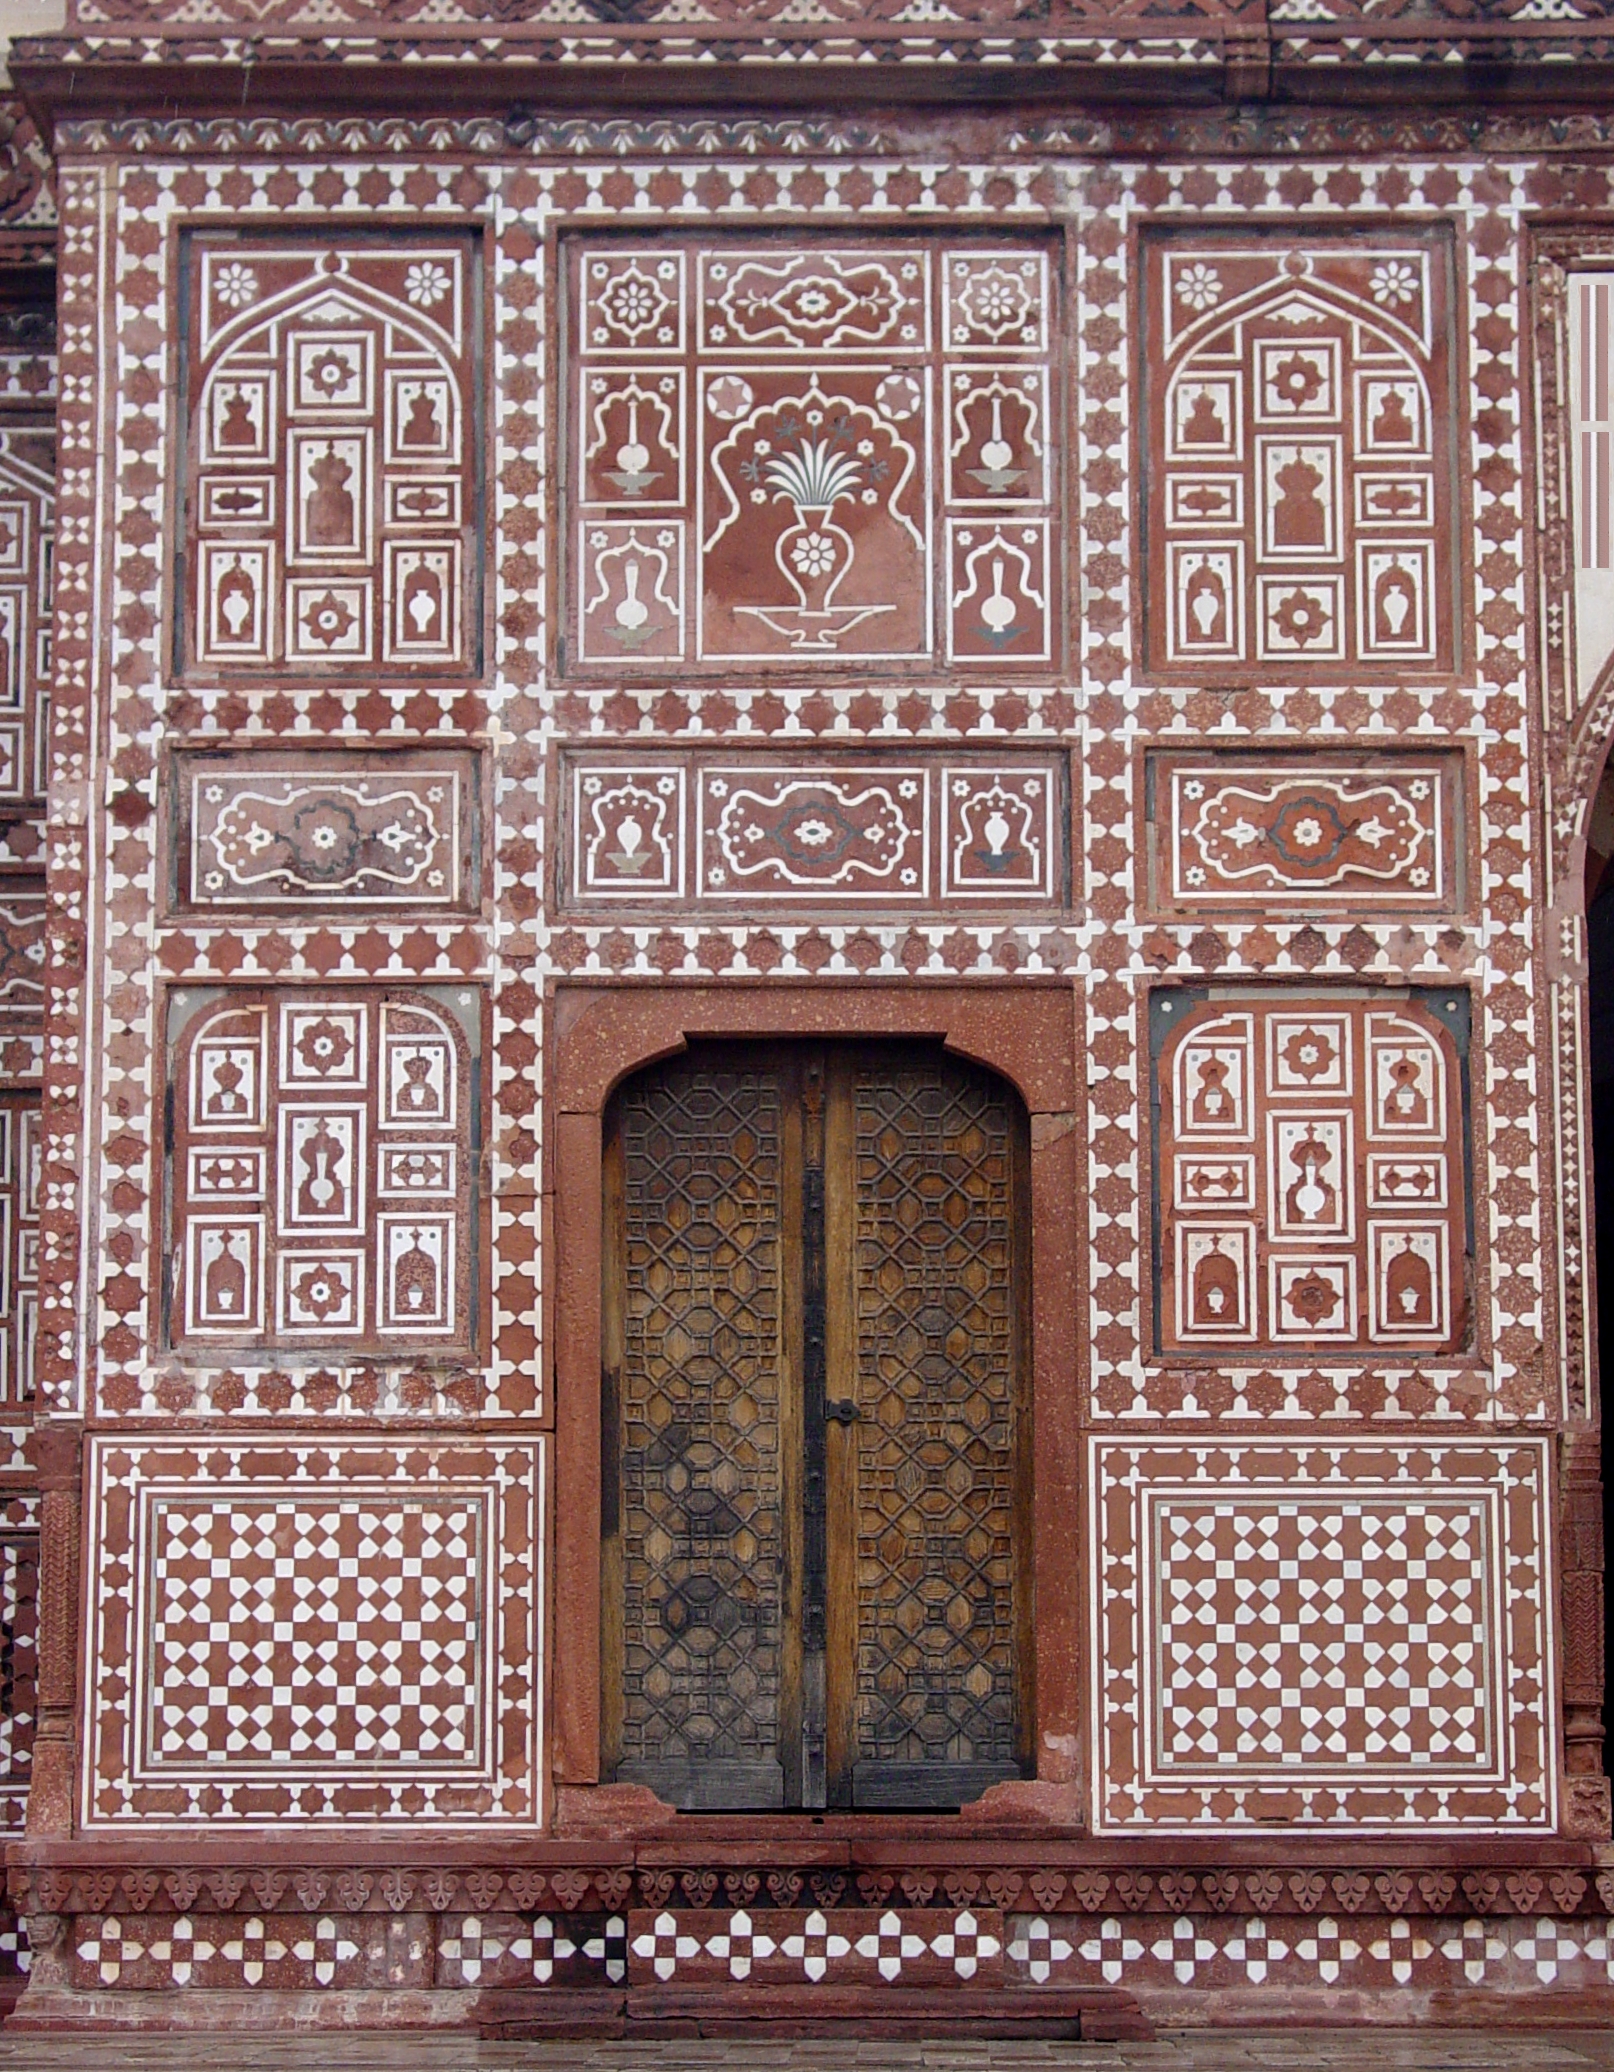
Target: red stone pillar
[1580, 1487]
[57, 1452]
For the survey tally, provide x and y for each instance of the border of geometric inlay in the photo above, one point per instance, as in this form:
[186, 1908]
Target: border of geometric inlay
[499, 1784]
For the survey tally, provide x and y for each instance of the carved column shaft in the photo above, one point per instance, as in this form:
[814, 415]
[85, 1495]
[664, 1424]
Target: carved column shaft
[57, 1452]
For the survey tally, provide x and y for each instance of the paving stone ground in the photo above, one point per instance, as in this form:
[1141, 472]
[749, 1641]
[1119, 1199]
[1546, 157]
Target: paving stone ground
[1293, 2050]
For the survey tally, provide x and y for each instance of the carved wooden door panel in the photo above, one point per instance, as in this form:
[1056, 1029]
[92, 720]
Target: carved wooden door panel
[816, 1476]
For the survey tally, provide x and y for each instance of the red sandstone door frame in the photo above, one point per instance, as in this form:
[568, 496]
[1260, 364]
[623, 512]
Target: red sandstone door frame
[601, 1033]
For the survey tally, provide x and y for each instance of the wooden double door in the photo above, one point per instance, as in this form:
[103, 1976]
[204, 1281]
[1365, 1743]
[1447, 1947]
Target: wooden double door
[816, 1473]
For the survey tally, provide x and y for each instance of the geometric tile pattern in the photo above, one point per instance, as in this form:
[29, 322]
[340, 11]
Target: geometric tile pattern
[923, 831]
[289, 1635]
[1274, 836]
[1300, 456]
[1310, 1178]
[299, 832]
[314, 1632]
[541, 1950]
[1344, 1634]
[332, 466]
[849, 1946]
[1288, 1637]
[801, 459]
[310, 1950]
[1366, 1951]
[323, 1149]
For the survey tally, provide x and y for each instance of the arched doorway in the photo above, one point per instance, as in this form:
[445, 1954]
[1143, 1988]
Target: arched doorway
[816, 1483]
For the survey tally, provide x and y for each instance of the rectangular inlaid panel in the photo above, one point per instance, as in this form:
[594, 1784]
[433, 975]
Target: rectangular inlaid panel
[305, 832]
[321, 1176]
[1311, 1186]
[332, 458]
[314, 1630]
[27, 556]
[914, 831]
[1300, 455]
[1336, 1635]
[19, 1671]
[804, 457]
[1303, 833]
[20, 1126]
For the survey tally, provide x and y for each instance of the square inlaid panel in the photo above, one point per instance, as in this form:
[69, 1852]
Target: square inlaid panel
[1300, 456]
[321, 1173]
[1343, 1634]
[792, 458]
[308, 1629]
[1311, 1182]
[332, 456]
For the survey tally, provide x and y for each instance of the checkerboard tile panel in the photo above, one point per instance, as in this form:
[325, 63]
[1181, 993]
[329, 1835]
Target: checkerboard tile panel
[1297, 1633]
[338, 1630]
[309, 1632]
[1350, 1634]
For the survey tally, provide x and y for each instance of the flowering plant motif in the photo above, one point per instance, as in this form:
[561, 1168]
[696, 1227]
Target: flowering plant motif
[1296, 380]
[1199, 286]
[235, 285]
[321, 1293]
[426, 283]
[1301, 618]
[812, 474]
[327, 619]
[632, 305]
[324, 1045]
[1394, 284]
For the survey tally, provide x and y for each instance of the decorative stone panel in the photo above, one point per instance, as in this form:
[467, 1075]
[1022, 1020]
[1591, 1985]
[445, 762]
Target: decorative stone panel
[1345, 1634]
[295, 1629]
[301, 833]
[19, 1254]
[914, 831]
[332, 456]
[1303, 834]
[1311, 1177]
[27, 552]
[322, 1171]
[799, 458]
[1300, 455]
[19, 1653]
